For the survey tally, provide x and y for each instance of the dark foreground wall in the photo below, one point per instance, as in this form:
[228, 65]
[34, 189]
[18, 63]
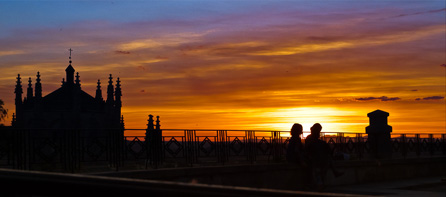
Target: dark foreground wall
[287, 176]
[34, 184]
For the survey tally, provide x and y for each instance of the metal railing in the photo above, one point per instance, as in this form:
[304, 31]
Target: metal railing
[191, 147]
[71, 150]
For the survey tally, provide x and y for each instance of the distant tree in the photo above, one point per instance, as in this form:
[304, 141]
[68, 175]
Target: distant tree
[3, 111]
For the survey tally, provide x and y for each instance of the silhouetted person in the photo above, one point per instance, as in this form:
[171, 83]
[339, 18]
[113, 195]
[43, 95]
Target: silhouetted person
[319, 156]
[295, 149]
[295, 154]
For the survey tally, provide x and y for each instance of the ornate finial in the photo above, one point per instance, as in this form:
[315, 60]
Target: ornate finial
[30, 90]
[77, 79]
[18, 91]
[38, 77]
[70, 54]
[38, 86]
[99, 91]
[18, 86]
[118, 85]
[110, 92]
[150, 123]
[158, 126]
[118, 93]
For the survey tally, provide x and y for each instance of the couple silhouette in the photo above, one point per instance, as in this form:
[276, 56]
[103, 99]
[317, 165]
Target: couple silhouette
[314, 156]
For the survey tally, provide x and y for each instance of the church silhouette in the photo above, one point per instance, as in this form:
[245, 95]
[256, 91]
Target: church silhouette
[69, 108]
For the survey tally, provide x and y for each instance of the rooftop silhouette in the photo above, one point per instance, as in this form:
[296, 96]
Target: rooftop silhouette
[69, 106]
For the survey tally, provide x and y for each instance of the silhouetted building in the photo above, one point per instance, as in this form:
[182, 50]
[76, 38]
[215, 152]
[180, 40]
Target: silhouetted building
[69, 107]
[379, 134]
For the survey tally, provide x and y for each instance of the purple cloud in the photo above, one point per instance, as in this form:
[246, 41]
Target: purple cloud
[433, 98]
[383, 98]
[122, 52]
[443, 65]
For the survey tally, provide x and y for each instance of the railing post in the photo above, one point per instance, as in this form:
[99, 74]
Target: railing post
[418, 142]
[443, 137]
[276, 145]
[158, 142]
[111, 147]
[10, 143]
[21, 150]
[190, 146]
[403, 146]
[70, 150]
[431, 144]
[221, 150]
[359, 146]
[147, 139]
[340, 142]
[125, 149]
[250, 146]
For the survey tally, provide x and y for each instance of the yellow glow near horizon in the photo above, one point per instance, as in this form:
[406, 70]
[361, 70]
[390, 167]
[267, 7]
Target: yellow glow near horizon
[328, 117]
[275, 119]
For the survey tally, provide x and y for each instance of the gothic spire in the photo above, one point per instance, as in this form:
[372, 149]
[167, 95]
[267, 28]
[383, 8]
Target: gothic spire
[38, 86]
[98, 91]
[29, 93]
[18, 91]
[70, 72]
[157, 126]
[150, 125]
[110, 91]
[118, 94]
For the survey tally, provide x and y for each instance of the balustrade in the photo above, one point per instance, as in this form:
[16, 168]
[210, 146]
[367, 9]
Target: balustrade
[69, 151]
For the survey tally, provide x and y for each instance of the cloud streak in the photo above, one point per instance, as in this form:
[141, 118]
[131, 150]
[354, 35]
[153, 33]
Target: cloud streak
[420, 13]
[433, 98]
[383, 98]
[14, 52]
[122, 52]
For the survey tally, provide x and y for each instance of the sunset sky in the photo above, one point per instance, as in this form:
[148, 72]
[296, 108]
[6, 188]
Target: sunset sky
[239, 64]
